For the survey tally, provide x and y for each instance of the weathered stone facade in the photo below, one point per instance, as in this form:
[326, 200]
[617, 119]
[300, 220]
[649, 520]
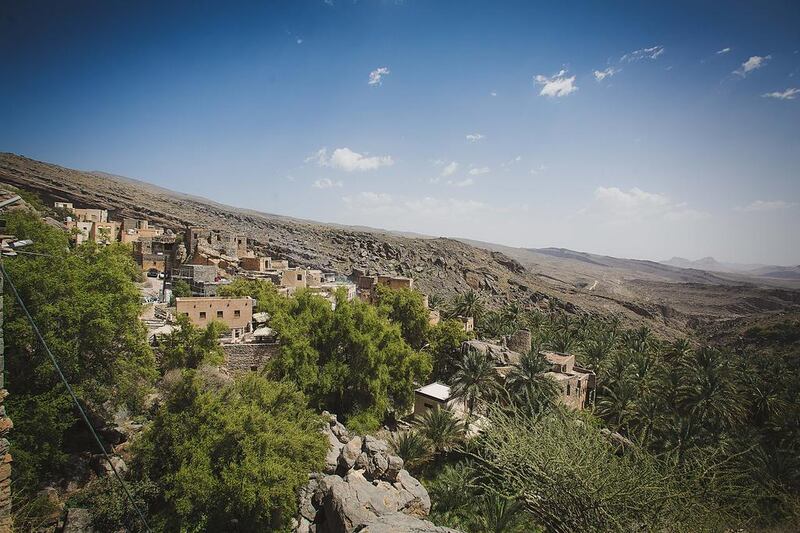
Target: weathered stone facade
[246, 357]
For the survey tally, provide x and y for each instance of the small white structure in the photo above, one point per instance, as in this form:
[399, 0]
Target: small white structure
[432, 396]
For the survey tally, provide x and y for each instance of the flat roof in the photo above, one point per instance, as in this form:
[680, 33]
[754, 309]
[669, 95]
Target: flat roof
[209, 298]
[437, 391]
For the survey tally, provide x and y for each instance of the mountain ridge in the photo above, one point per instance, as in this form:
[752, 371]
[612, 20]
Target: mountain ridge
[672, 301]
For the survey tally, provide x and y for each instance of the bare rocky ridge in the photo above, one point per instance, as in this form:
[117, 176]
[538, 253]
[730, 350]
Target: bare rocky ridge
[670, 300]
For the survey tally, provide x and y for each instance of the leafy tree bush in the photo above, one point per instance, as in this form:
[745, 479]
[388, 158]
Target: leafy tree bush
[569, 478]
[87, 308]
[346, 360]
[445, 341]
[189, 346]
[230, 458]
[407, 308]
[180, 289]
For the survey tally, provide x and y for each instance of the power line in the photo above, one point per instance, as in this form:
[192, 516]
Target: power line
[72, 394]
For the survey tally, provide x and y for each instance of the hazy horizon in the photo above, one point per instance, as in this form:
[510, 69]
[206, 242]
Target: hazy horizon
[626, 130]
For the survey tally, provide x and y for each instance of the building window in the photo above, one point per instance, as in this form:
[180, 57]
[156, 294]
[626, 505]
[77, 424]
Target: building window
[428, 405]
[202, 314]
[237, 313]
[219, 314]
[569, 389]
[299, 277]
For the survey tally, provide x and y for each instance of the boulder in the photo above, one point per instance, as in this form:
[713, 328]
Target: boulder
[350, 452]
[364, 488]
[78, 521]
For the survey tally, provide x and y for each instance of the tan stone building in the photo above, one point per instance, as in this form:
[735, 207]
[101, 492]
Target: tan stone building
[235, 313]
[132, 229]
[577, 384]
[91, 215]
[105, 232]
[256, 264]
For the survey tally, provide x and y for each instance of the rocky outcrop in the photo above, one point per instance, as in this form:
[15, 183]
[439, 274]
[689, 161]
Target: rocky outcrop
[364, 488]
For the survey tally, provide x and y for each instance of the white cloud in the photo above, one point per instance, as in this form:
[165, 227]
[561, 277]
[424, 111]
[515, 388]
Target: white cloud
[538, 170]
[556, 86]
[493, 93]
[462, 183]
[788, 94]
[299, 41]
[766, 205]
[348, 160]
[475, 137]
[477, 171]
[643, 53]
[753, 63]
[450, 169]
[724, 51]
[376, 76]
[600, 75]
[616, 205]
[326, 183]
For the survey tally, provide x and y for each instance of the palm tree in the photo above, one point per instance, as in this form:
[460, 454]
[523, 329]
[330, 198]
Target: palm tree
[710, 393]
[467, 304]
[475, 379]
[528, 385]
[511, 313]
[412, 446]
[435, 301]
[617, 403]
[595, 352]
[563, 340]
[441, 429]
[497, 514]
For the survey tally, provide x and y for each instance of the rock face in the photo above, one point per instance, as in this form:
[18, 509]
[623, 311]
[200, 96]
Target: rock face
[364, 488]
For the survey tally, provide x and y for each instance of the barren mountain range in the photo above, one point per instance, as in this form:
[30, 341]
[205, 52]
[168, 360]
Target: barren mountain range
[671, 300]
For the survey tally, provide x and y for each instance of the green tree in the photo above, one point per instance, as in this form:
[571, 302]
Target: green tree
[445, 343]
[467, 304]
[180, 289]
[441, 428]
[569, 477]
[230, 459]
[188, 346]
[87, 307]
[413, 447]
[474, 380]
[407, 308]
[528, 385]
[348, 360]
[262, 291]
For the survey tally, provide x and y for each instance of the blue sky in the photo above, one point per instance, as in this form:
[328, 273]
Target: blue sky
[635, 129]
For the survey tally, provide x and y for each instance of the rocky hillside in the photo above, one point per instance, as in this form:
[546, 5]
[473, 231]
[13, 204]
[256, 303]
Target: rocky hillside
[439, 265]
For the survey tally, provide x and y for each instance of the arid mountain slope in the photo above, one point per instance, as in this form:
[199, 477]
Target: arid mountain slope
[672, 301]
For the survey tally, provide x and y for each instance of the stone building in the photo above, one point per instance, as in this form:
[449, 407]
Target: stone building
[91, 215]
[105, 232]
[256, 264]
[366, 285]
[160, 252]
[577, 384]
[225, 242]
[133, 229]
[235, 313]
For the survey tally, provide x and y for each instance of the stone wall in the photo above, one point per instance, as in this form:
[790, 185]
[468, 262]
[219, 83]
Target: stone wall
[5, 427]
[245, 357]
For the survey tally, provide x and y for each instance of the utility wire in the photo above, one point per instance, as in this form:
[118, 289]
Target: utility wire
[74, 397]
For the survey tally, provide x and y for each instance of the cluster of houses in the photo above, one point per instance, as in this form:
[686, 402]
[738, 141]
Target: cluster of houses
[206, 259]
[575, 385]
